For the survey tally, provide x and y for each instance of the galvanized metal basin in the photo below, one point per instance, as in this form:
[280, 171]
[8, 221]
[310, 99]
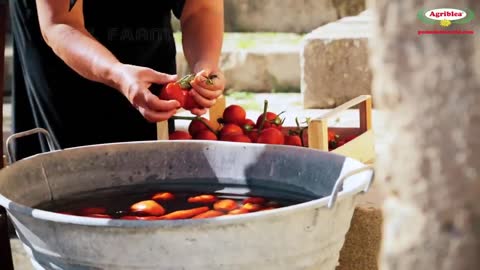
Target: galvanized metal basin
[304, 236]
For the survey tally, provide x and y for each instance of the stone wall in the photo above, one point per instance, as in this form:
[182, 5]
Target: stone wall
[295, 16]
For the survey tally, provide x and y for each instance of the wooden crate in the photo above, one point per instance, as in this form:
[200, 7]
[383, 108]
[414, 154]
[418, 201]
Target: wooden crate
[361, 148]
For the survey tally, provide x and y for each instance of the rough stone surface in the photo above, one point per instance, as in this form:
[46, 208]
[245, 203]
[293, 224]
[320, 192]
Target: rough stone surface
[295, 16]
[363, 240]
[278, 15]
[429, 90]
[335, 62]
[347, 8]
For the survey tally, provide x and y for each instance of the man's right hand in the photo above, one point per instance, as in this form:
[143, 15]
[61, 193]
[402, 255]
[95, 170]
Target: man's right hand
[134, 82]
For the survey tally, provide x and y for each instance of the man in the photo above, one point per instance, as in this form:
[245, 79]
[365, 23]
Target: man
[84, 69]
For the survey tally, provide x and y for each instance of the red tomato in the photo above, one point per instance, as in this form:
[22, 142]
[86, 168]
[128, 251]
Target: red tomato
[230, 129]
[206, 135]
[149, 207]
[236, 138]
[209, 214]
[190, 102]
[248, 125]
[140, 218]
[203, 199]
[272, 120]
[253, 135]
[252, 207]
[225, 205]
[179, 135]
[255, 200]
[99, 216]
[92, 211]
[293, 140]
[332, 136]
[163, 196]
[240, 211]
[196, 126]
[234, 114]
[173, 91]
[271, 136]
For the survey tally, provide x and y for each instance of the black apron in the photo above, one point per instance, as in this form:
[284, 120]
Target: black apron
[77, 112]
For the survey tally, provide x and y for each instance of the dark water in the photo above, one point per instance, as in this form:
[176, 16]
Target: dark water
[117, 201]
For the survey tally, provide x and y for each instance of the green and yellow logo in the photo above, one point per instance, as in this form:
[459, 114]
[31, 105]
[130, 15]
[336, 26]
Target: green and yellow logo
[445, 16]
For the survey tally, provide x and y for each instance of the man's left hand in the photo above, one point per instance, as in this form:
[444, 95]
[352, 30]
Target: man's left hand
[207, 86]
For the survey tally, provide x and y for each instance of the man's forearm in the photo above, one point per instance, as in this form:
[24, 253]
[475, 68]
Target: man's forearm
[202, 29]
[81, 52]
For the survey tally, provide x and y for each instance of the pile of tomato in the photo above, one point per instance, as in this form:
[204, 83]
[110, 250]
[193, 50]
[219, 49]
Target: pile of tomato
[201, 207]
[236, 127]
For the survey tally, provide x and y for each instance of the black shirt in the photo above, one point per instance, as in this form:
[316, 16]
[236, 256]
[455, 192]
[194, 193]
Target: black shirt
[49, 94]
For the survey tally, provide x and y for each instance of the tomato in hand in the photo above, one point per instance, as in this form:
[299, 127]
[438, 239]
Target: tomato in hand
[173, 91]
[271, 136]
[190, 102]
[234, 114]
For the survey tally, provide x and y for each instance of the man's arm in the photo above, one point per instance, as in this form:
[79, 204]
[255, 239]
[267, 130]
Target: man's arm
[202, 28]
[64, 31]
[202, 24]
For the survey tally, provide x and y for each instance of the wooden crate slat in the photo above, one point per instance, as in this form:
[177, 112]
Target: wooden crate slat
[361, 148]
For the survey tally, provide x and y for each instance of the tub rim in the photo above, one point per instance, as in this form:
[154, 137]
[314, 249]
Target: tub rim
[352, 189]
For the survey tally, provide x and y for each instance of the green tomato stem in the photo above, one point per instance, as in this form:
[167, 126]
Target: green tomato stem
[265, 108]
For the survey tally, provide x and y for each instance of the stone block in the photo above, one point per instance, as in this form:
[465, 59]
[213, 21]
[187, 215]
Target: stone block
[295, 16]
[362, 245]
[335, 62]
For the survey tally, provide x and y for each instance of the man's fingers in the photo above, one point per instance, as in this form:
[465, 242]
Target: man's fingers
[156, 104]
[154, 117]
[159, 78]
[199, 112]
[210, 80]
[210, 94]
[204, 102]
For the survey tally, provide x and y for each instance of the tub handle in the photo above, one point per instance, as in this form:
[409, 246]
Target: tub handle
[339, 183]
[12, 137]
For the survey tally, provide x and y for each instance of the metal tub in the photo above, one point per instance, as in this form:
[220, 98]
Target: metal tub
[304, 236]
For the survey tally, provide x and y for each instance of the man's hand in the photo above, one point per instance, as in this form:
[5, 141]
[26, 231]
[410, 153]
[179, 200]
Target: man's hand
[207, 87]
[134, 82]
